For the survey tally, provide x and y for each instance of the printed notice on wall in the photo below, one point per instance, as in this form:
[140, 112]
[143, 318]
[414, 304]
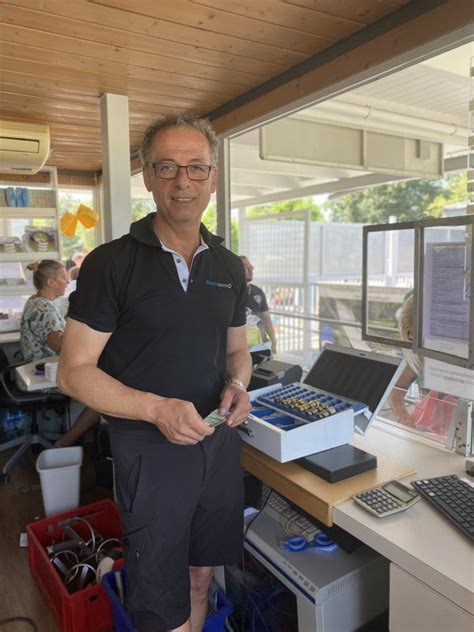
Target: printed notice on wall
[448, 379]
[446, 301]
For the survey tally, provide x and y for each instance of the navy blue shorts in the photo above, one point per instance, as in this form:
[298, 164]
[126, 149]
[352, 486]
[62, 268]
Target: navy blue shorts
[179, 506]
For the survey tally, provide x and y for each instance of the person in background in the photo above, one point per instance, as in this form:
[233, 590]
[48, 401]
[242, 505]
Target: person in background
[156, 341]
[412, 371]
[71, 286]
[258, 317]
[42, 329]
[74, 273]
[75, 261]
[434, 410]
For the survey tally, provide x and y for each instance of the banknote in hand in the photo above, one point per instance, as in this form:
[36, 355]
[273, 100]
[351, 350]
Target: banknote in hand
[215, 419]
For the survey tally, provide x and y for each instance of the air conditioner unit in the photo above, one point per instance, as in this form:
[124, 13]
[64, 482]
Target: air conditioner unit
[24, 147]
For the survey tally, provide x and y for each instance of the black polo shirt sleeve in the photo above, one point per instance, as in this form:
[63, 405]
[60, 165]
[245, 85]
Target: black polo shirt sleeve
[96, 299]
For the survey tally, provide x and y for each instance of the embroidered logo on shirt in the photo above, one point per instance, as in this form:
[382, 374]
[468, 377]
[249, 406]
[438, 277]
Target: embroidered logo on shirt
[218, 284]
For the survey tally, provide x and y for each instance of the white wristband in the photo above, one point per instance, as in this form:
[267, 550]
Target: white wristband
[235, 382]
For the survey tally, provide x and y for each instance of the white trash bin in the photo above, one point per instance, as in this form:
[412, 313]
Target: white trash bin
[60, 477]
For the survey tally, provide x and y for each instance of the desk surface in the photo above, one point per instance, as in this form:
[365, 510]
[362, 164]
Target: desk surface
[419, 540]
[313, 494]
[28, 379]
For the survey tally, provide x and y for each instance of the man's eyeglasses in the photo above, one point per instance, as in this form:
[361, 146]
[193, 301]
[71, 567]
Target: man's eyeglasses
[170, 170]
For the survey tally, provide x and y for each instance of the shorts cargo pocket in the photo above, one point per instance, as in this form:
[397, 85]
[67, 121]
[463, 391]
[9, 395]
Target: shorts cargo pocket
[136, 553]
[133, 483]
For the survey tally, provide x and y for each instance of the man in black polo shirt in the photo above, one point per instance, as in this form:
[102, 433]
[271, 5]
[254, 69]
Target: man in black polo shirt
[155, 341]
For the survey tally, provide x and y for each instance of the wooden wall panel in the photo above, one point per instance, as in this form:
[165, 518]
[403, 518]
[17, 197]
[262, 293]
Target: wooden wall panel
[168, 56]
[302, 19]
[173, 32]
[362, 11]
[232, 25]
[33, 33]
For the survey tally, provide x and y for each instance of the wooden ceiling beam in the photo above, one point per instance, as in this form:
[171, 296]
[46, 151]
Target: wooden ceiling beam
[341, 64]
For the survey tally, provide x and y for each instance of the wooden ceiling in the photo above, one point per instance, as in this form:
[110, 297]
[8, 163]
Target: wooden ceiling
[58, 56]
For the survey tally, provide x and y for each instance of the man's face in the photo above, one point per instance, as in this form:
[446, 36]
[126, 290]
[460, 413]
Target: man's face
[181, 199]
[248, 267]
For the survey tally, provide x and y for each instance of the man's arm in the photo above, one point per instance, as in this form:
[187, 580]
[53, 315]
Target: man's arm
[267, 323]
[239, 367]
[80, 377]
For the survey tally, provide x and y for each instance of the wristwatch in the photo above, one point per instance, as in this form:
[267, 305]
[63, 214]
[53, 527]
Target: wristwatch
[235, 382]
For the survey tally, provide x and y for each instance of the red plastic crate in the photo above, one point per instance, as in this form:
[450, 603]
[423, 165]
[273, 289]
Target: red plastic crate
[86, 610]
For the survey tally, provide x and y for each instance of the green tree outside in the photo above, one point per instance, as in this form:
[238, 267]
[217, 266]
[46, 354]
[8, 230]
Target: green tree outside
[407, 201]
[141, 207]
[299, 204]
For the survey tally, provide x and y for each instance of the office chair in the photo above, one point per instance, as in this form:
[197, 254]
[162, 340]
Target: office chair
[12, 397]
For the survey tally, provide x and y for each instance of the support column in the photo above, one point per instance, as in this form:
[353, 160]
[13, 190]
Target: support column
[223, 191]
[116, 165]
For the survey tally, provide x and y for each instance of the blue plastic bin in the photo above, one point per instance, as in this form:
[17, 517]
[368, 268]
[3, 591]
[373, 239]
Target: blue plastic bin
[122, 623]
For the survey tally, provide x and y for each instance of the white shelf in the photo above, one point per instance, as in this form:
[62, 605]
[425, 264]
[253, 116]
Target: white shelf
[10, 213]
[6, 257]
[14, 290]
[28, 212]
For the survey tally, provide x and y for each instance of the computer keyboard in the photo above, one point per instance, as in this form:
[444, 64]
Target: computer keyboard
[294, 523]
[453, 497]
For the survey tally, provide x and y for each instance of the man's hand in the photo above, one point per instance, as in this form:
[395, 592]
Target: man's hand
[235, 401]
[180, 422]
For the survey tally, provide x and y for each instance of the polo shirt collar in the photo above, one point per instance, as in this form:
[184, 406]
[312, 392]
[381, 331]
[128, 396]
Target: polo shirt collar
[143, 231]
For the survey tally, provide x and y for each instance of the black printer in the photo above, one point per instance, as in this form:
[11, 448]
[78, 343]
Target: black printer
[274, 372]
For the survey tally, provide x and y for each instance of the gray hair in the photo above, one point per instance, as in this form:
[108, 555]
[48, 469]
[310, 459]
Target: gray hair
[44, 270]
[201, 125]
[406, 320]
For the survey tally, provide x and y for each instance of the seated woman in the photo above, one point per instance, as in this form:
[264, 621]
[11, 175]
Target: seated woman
[434, 410]
[413, 369]
[42, 328]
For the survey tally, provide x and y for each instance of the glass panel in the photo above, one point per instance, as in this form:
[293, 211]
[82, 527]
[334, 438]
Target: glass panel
[85, 239]
[390, 280]
[423, 412]
[446, 290]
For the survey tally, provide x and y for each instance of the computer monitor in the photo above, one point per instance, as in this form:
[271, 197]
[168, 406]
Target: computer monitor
[364, 376]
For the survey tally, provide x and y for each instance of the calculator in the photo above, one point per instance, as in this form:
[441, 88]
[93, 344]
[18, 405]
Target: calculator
[387, 499]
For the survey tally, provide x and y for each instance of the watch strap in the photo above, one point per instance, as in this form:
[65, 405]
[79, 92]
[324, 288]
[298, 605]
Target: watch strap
[235, 382]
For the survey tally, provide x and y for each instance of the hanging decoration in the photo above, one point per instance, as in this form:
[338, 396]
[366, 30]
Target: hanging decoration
[87, 216]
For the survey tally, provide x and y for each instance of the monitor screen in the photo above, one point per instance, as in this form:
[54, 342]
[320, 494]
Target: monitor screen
[364, 377]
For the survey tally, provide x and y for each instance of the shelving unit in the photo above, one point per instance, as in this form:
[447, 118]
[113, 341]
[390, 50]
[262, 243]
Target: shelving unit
[27, 212]
[8, 215]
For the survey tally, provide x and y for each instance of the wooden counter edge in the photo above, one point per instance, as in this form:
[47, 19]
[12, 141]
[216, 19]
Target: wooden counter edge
[310, 492]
